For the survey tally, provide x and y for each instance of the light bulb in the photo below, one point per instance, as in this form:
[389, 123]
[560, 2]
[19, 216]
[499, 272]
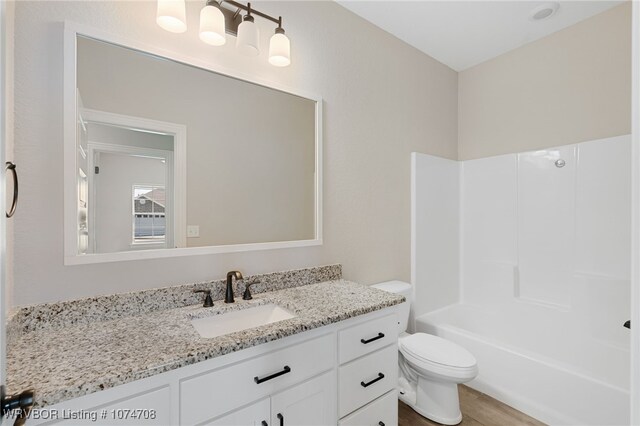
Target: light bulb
[212, 26]
[248, 37]
[279, 49]
[171, 15]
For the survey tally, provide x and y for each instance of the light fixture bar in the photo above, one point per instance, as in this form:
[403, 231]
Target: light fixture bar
[253, 11]
[232, 18]
[216, 21]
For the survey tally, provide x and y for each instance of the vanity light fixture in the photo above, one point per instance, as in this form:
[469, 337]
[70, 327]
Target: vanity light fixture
[212, 25]
[171, 15]
[279, 48]
[248, 41]
[217, 21]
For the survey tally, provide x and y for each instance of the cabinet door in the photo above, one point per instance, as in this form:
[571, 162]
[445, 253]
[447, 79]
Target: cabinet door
[256, 414]
[311, 403]
[381, 412]
[213, 393]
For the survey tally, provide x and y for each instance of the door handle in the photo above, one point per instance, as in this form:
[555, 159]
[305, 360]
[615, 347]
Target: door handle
[281, 418]
[12, 167]
[627, 324]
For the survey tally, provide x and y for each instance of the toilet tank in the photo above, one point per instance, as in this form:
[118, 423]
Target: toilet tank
[404, 289]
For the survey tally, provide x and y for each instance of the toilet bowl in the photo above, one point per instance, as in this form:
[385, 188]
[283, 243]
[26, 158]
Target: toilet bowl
[430, 367]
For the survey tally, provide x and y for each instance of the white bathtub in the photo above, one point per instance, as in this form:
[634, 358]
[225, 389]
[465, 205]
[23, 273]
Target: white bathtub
[535, 360]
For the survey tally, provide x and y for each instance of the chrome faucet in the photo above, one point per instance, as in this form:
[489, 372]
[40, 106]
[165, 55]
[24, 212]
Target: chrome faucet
[228, 298]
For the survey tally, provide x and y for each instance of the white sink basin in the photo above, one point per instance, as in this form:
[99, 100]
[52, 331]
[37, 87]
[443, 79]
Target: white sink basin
[218, 325]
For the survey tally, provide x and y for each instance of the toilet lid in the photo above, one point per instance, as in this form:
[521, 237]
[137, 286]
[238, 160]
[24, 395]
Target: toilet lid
[435, 349]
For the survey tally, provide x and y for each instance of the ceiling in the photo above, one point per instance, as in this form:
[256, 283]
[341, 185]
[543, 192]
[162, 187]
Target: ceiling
[462, 34]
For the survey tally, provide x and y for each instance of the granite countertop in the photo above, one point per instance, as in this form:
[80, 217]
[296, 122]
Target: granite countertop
[80, 359]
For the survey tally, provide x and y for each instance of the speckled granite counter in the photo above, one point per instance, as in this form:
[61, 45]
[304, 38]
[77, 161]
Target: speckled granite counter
[81, 358]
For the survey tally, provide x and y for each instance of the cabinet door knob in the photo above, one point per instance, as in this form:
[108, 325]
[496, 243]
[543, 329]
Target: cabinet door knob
[380, 423]
[264, 423]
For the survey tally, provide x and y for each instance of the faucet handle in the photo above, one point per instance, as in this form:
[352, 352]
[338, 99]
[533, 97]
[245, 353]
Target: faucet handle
[208, 302]
[247, 293]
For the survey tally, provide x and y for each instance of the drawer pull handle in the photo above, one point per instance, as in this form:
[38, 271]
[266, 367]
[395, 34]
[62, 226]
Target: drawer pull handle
[373, 339]
[380, 423]
[281, 418]
[264, 423]
[380, 377]
[285, 370]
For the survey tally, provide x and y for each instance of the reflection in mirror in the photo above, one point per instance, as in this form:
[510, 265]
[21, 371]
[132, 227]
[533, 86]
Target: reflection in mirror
[170, 155]
[129, 189]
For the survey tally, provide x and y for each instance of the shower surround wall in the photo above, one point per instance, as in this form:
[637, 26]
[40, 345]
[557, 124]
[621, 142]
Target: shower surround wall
[435, 241]
[542, 283]
[555, 236]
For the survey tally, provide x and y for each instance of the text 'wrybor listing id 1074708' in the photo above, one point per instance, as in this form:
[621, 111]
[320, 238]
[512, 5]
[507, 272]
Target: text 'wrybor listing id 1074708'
[85, 415]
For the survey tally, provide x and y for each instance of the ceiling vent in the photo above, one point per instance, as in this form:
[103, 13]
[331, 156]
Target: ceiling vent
[544, 11]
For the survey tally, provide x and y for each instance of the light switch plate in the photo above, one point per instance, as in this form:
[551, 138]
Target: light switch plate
[193, 231]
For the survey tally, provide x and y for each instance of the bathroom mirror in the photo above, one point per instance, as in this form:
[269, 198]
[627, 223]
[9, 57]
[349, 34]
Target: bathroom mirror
[168, 158]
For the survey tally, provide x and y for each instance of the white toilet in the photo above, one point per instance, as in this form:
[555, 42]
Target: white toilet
[430, 367]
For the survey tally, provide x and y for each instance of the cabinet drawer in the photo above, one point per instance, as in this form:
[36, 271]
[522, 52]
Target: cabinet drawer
[253, 415]
[382, 411]
[370, 336]
[149, 408]
[363, 380]
[216, 392]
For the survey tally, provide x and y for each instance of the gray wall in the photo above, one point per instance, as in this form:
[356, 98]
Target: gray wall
[118, 174]
[383, 100]
[571, 86]
[115, 135]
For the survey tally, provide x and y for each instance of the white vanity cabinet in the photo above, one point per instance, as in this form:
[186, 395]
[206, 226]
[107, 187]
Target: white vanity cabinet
[140, 404]
[208, 395]
[382, 411]
[311, 403]
[368, 372]
[316, 377]
[256, 414]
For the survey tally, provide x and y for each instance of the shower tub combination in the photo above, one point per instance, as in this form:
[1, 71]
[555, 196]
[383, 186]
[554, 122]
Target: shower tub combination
[529, 269]
[540, 369]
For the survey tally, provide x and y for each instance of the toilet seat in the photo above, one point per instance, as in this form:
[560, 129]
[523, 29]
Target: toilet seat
[437, 356]
[437, 350]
